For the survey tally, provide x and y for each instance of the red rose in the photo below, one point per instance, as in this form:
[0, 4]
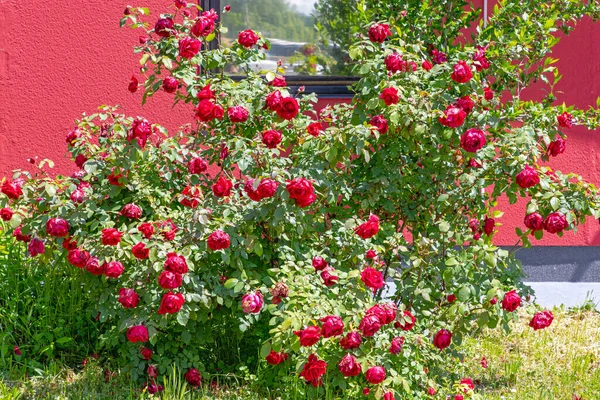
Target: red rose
[6, 214]
[18, 235]
[349, 366]
[313, 370]
[302, 191]
[332, 326]
[131, 211]
[511, 301]
[372, 278]
[197, 165]
[314, 128]
[465, 103]
[218, 240]
[273, 100]
[380, 123]
[137, 333]
[488, 94]
[80, 160]
[133, 85]
[36, 247]
[488, 225]
[169, 280]
[319, 263]
[472, 140]
[146, 229]
[288, 108]
[207, 111]
[114, 179]
[375, 375]
[389, 396]
[379, 32]
[431, 391]
[328, 278]
[190, 196]
[248, 38]
[128, 298]
[527, 178]
[453, 117]
[308, 336]
[370, 325]
[57, 227]
[222, 187]
[427, 65]
[176, 263]
[78, 258]
[385, 312]
[168, 230]
[237, 114]
[467, 382]
[275, 358]
[249, 189]
[78, 196]
[462, 72]
[408, 321]
[442, 339]
[394, 63]
[438, 56]
[252, 302]
[279, 81]
[555, 223]
[481, 62]
[12, 190]
[75, 135]
[541, 320]
[267, 188]
[271, 138]
[203, 27]
[534, 221]
[366, 391]
[170, 84]
[144, 351]
[389, 96]
[171, 303]
[93, 266]
[206, 93]
[189, 47]
[459, 397]
[451, 298]
[473, 163]
[69, 244]
[396, 345]
[565, 120]
[113, 269]
[352, 340]
[163, 27]
[558, 146]
[140, 251]
[111, 236]
[193, 377]
[368, 229]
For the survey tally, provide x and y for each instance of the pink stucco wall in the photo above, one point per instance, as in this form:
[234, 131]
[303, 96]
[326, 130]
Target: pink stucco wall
[60, 58]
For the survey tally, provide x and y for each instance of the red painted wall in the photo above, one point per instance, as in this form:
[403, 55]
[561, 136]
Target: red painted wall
[61, 58]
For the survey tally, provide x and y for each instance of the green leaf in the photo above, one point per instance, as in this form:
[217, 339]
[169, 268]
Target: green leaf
[464, 293]
[265, 350]
[230, 283]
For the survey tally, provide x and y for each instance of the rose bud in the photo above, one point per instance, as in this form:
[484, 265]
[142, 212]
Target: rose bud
[193, 377]
[308, 336]
[349, 366]
[527, 178]
[473, 140]
[555, 223]
[453, 117]
[389, 96]
[128, 298]
[288, 108]
[248, 38]
[302, 191]
[6, 214]
[131, 211]
[170, 84]
[396, 345]
[133, 84]
[494, 301]
[379, 32]
[222, 187]
[368, 229]
[169, 280]
[462, 72]
[111, 236]
[17, 351]
[113, 269]
[275, 358]
[332, 326]
[137, 333]
[541, 320]
[484, 363]
[451, 298]
[427, 65]
[534, 221]
[146, 353]
[176, 263]
[366, 391]
[190, 196]
[252, 302]
[379, 123]
[431, 391]
[171, 303]
[375, 375]
[271, 138]
[442, 339]
[218, 240]
[372, 278]
[511, 301]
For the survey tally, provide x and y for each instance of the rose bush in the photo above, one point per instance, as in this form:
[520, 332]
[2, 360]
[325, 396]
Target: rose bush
[360, 238]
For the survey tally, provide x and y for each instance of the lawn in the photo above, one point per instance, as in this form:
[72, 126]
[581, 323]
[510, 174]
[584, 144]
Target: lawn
[561, 362]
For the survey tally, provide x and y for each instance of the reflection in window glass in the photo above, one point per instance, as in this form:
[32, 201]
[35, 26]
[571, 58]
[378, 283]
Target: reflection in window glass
[290, 26]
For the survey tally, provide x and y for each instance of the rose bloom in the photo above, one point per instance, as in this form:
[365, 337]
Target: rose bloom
[171, 303]
[279, 81]
[408, 321]
[128, 298]
[511, 301]
[275, 358]
[328, 278]
[146, 229]
[431, 391]
[288, 108]
[78, 258]
[527, 178]
[375, 375]
[314, 129]
[438, 56]
[389, 396]
[273, 100]
[472, 140]
[193, 377]
[36, 247]
[271, 138]
[319, 263]
[465, 103]
[394, 63]
[488, 225]
[248, 38]
[206, 93]
[481, 61]
[349, 366]
[12, 189]
[170, 84]
[189, 47]
[252, 302]
[145, 352]
[459, 397]
[190, 196]
[113, 269]
[389, 96]
[237, 114]
[249, 189]
[451, 298]
[93, 266]
[78, 196]
[488, 94]
[385, 312]
[541, 320]
[366, 391]
[555, 223]
[442, 339]
[370, 325]
[372, 278]
[534, 221]
[131, 211]
[168, 230]
[111, 236]
[380, 123]
[396, 345]
[565, 120]
[308, 336]
[462, 72]
[176, 263]
[6, 214]
[57, 227]
[222, 187]
[140, 251]
[75, 134]
[197, 165]
[203, 27]
[379, 32]
[267, 188]
[137, 333]
[453, 117]
[332, 326]
[468, 383]
[427, 65]
[169, 280]
[80, 160]
[163, 27]
[18, 235]
[302, 191]
[557, 147]
[69, 244]
[218, 240]
[368, 229]
[207, 111]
